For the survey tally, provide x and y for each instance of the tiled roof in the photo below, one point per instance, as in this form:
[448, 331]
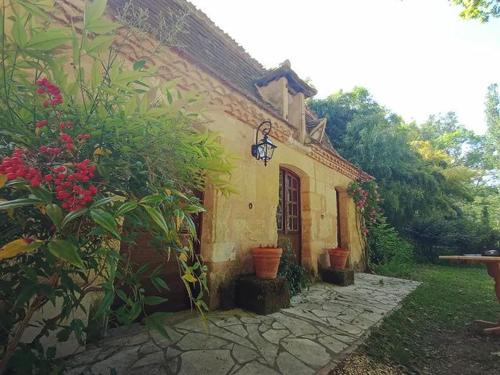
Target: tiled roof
[294, 82]
[207, 45]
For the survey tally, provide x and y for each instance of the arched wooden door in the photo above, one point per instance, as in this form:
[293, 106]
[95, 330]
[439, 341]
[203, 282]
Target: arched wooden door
[288, 214]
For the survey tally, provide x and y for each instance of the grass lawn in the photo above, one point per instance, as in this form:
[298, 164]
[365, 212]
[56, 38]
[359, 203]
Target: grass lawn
[433, 332]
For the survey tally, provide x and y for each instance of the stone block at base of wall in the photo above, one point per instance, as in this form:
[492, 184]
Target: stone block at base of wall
[262, 296]
[338, 277]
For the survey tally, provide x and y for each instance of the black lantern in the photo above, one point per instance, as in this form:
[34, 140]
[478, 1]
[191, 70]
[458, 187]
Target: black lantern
[263, 149]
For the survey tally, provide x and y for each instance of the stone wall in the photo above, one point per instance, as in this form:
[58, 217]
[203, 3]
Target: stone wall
[230, 227]
[233, 225]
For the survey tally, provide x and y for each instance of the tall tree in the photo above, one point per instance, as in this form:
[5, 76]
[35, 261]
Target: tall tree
[492, 112]
[378, 141]
[427, 174]
[340, 108]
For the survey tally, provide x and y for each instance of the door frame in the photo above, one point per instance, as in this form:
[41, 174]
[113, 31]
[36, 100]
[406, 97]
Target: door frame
[281, 193]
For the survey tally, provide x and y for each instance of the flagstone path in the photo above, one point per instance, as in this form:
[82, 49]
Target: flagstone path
[323, 325]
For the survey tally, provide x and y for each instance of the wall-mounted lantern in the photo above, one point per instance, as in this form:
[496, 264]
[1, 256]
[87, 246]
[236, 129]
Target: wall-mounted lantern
[263, 149]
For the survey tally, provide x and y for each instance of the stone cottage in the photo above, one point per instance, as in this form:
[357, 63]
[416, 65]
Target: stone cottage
[300, 194]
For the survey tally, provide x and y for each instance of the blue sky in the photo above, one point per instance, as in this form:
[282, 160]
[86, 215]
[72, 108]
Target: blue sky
[417, 57]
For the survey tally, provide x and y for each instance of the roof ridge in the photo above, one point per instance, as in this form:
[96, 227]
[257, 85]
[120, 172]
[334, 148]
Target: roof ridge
[228, 38]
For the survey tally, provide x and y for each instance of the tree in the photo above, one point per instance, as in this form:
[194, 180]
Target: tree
[478, 9]
[378, 142]
[340, 108]
[492, 112]
[446, 134]
[427, 175]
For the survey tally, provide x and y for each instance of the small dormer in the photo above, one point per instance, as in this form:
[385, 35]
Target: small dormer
[286, 92]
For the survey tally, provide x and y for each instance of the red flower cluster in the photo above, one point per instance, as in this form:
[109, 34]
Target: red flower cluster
[70, 180]
[67, 187]
[367, 199]
[83, 137]
[16, 167]
[53, 92]
[67, 140]
[51, 151]
[65, 125]
[40, 124]
[362, 198]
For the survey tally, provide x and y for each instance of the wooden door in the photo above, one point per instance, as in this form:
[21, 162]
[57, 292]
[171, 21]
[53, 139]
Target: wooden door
[145, 251]
[288, 215]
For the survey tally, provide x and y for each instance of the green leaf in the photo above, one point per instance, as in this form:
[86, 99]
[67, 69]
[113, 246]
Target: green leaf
[55, 213]
[169, 97]
[134, 312]
[41, 193]
[95, 74]
[152, 199]
[126, 77]
[102, 26]
[2, 27]
[26, 294]
[155, 214]
[125, 208]
[154, 300]
[139, 64]
[66, 251]
[193, 209]
[105, 220]
[106, 303]
[38, 8]
[156, 322]
[49, 39]
[130, 106]
[103, 201]
[100, 43]
[123, 296]
[7, 205]
[73, 215]
[19, 33]
[94, 11]
[75, 46]
[159, 283]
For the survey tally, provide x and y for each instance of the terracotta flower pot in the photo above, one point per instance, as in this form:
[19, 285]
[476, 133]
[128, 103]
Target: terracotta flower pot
[266, 261]
[338, 257]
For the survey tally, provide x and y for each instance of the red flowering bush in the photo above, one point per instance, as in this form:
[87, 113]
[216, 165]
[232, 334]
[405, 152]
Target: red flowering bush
[55, 165]
[84, 150]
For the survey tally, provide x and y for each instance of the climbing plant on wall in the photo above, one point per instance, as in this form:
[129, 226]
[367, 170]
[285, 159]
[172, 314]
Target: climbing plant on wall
[382, 243]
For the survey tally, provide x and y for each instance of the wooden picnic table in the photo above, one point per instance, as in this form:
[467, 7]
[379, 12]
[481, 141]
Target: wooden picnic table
[493, 267]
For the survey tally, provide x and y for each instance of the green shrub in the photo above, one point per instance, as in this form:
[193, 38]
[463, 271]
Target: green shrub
[389, 253]
[401, 265]
[297, 276]
[82, 151]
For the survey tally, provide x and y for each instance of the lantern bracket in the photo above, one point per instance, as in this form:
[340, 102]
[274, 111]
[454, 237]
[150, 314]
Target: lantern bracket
[263, 149]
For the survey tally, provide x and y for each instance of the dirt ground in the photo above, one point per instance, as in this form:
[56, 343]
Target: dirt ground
[467, 352]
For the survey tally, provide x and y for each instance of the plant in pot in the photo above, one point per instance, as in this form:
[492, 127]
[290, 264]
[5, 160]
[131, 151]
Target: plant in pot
[338, 257]
[266, 260]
